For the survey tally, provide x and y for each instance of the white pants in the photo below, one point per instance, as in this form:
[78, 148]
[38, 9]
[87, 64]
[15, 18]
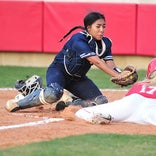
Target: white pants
[133, 108]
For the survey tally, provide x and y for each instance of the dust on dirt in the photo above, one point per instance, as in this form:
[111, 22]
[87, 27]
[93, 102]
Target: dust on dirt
[15, 135]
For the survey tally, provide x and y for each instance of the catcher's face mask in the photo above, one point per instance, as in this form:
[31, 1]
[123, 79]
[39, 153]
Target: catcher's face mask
[29, 85]
[151, 69]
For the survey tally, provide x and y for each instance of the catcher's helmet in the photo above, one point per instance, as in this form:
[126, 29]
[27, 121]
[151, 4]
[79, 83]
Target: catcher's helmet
[29, 85]
[151, 70]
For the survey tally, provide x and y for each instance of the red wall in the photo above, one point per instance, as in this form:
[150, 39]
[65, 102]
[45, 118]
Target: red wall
[146, 30]
[21, 26]
[120, 24]
[38, 26]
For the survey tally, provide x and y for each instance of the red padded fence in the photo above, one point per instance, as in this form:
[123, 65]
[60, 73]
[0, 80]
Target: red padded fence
[146, 30]
[21, 26]
[120, 23]
[36, 26]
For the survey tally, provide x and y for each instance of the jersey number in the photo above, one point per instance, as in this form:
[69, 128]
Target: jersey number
[148, 90]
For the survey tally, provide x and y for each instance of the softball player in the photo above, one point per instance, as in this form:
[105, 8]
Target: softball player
[70, 66]
[138, 106]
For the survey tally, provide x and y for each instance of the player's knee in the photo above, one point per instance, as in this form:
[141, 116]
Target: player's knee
[51, 94]
[101, 100]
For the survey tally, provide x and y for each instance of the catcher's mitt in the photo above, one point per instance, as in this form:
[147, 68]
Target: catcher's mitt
[127, 77]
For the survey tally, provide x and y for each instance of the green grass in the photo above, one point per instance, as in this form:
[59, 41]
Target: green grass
[9, 75]
[89, 145]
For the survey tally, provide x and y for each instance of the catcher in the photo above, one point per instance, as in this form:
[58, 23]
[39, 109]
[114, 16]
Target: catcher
[70, 66]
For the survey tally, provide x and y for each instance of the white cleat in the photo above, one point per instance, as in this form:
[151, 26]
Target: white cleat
[11, 105]
[99, 118]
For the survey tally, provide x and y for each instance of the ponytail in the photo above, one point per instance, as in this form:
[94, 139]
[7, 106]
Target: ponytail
[71, 30]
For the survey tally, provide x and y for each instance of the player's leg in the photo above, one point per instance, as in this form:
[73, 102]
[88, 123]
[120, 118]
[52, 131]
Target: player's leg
[120, 110]
[145, 113]
[48, 95]
[87, 92]
[148, 115]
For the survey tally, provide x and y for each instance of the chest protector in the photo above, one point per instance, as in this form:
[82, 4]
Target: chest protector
[74, 64]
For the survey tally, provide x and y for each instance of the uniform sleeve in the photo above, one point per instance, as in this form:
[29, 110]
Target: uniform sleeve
[82, 48]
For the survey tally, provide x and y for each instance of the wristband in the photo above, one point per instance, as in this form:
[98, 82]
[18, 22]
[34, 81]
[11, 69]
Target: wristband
[117, 69]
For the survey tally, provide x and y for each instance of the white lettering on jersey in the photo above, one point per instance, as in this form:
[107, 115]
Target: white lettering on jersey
[148, 89]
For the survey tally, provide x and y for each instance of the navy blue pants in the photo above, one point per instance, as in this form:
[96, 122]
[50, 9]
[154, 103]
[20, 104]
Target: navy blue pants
[83, 87]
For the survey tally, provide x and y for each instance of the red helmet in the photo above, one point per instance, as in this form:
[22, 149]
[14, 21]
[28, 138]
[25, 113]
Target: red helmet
[151, 68]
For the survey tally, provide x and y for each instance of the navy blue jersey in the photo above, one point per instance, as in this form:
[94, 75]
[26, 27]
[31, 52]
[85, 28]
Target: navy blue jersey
[80, 46]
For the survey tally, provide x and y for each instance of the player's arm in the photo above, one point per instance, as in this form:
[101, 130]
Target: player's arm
[107, 68]
[112, 65]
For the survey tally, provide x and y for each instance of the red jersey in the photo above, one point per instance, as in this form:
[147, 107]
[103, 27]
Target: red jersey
[143, 89]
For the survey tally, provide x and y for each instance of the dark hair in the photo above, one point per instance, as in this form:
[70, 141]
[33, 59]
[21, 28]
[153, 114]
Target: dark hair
[91, 18]
[74, 28]
[88, 20]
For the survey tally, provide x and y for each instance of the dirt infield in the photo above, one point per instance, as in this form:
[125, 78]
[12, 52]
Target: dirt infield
[36, 124]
